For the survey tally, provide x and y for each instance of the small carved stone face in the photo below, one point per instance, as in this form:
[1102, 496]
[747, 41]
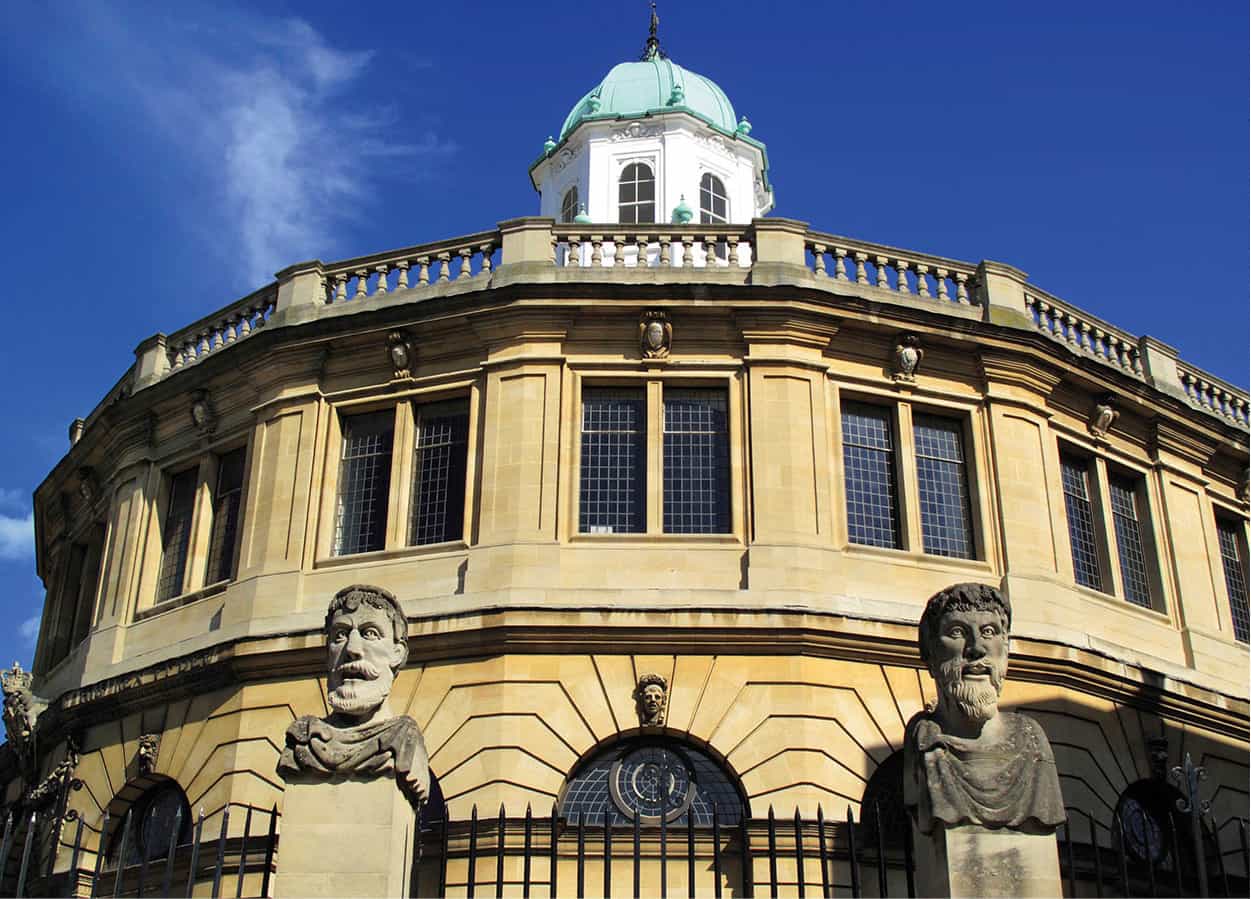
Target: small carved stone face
[652, 701]
[399, 355]
[968, 658]
[362, 655]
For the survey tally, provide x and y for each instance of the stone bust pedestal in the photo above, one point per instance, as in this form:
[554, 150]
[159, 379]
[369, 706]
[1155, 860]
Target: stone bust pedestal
[980, 785]
[356, 779]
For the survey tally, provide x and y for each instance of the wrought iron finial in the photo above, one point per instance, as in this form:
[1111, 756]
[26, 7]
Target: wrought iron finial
[1187, 775]
[651, 50]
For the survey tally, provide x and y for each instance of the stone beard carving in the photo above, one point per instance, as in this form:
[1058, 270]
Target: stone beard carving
[655, 335]
[1102, 417]
[906, 357]
[965, 762]
[147, 753]
[366, 643]
[651, 700]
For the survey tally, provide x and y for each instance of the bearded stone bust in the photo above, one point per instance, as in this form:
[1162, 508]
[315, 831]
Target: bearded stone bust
[965, 762]
[363, 738]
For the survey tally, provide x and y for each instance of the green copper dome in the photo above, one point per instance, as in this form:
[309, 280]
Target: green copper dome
[658, 84]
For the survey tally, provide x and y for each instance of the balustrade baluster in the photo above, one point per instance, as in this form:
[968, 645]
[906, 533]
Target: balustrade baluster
[940, 283]
[1135, 361]
[923, 287]
[245, 325]
[962, 289]
[401, 280]
[555, 242]
[423, 271]
[203, 347]
[640, 258]
[710, 251]
[901, 280]
[597, 251]
[881, 262]
[862, 276]
[231, 324]
[466, 260]
[323, 285]
[486, 250]
[217, 340]
[687, 257]
[1070, 328]
[840, 264]
[1187, 381]
[445, 266]
[818, 259]
[1083, 338]
[732, 250]
[1031, 309]
[665, 245]
[362, 283]
[340, 287]
[573, 256]
[1101, 337]
[382, 270]
[1205, 397]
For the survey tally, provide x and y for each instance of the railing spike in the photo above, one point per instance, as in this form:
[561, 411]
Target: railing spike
[221, 852]
[95, 874]
[26, 850]
[195, 852]
[167, 878]
[121, 852]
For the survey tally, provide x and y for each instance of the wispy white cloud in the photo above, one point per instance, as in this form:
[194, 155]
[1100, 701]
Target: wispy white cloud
[28, 630]
[271, 115]
[17, 525]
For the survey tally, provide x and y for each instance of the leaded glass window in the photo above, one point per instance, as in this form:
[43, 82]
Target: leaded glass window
[650, 779]
[569, 205]
[226, 504]
[613, 488]
[869, 475]
[942, 487]
[439, 465]
[1129, 550]
[364, 483]
[696, 462]
[1233, 560]
[1075, 477]
[636, 195]
[176, 535]
[151, 821]
[713, 205]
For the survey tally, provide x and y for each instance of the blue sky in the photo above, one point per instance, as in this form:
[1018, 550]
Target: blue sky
[163, 159]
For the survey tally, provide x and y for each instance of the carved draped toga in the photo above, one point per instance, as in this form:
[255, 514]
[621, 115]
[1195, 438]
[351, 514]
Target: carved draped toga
[394, 746]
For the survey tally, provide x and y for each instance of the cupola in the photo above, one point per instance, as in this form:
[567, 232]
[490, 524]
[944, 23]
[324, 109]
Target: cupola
[653, 143]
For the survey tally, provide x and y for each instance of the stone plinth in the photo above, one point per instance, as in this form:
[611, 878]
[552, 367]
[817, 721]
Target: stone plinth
[969, 860]
[345, 838]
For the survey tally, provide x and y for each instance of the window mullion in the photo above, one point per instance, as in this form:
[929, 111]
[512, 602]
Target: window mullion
[655, 457]
[910, 537]
[1105, 538]
[201, 525]
[401, 488]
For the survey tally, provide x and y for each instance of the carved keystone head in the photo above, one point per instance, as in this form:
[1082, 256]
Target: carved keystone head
[366, 643]
[651, 698]
[963, 636]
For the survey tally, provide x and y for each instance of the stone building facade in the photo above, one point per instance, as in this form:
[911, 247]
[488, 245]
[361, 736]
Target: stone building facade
[742, 465]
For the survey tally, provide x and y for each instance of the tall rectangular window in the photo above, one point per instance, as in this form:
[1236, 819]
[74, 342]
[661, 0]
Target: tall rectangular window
[696, 462]
[869, 474]
[439, 466]
[364, 483]
[1234, 561]
[176, 536]
[1129, 549]
[1075, 477]
[227, 499]
[613, 488]
[942, 487]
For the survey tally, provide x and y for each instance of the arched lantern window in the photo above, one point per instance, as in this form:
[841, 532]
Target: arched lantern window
[714, 207]
[652, 777]
[569, 205]
[636, 195]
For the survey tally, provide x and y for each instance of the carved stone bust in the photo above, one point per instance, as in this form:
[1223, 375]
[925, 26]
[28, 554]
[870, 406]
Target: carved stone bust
[366, 643]
[965, 762]
[651, 699]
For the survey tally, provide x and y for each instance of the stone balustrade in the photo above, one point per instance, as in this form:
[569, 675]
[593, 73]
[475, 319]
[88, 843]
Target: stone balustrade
[411, 268]
[679, 246]
[1083, 333]
[211, 333]
[1213, 395]
[901, 271]
[778, 250]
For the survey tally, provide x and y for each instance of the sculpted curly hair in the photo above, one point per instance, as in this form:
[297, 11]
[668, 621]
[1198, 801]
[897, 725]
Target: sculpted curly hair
[349, 599]
[959, 598]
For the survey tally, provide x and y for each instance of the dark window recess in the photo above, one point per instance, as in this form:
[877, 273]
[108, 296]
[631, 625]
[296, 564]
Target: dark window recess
[227, 502]
[613, 482]
[1234, 561]
[696, 462]
[942, 487]
[1124, 502]
[439, 460]
[176, 537]
[1075, 479]
[636, 195]
[569, 205]
[364, 483]
[869, 476]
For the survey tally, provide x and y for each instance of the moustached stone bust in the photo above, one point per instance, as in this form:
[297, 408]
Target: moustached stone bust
[362, 738]
[966, 762]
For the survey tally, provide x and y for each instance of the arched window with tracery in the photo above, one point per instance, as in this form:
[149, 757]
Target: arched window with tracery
[652, 777]
[147, 829]
[714, 207]
[569, 205]
[636, 195]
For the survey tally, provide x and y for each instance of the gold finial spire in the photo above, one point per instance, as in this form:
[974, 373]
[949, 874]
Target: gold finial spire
[651, 49]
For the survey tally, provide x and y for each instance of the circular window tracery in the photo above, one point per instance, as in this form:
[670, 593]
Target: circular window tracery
[652, 778]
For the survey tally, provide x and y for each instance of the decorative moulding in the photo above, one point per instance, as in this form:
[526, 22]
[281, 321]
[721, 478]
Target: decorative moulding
[655, 335]
[1102, 416]
[400, 353]
[905, 358]
[203, 414]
